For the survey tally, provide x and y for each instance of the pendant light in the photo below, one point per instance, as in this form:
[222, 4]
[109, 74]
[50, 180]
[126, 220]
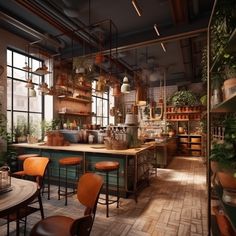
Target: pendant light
[116, 90]
[141, 96]
[125, 87]
[32, 92]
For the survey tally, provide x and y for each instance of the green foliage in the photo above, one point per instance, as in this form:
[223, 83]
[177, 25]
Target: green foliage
[20, 129]
[223, 24]
[8, 155]
[216, 81]
[204, 64]
[183, 98]
[224, 152]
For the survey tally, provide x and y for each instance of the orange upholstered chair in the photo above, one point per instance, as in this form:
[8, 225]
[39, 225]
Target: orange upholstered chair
[35, 168]
[88, 190]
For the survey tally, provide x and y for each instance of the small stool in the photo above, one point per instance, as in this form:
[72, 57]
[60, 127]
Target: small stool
[22, 157]
[65, 163]
[108, 166]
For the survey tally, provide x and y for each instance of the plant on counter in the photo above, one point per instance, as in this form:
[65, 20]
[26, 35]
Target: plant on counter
[183, 98]
[20, 131]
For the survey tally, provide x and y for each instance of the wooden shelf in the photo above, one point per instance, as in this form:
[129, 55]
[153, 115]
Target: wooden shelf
[81, 100]
[184, 112]
[73, 113]
[227, 105]
[83, 88]
[178, 119]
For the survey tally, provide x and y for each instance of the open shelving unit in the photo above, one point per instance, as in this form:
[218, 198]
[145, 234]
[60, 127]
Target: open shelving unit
[227, 106]
[72, 99]
[187, 115]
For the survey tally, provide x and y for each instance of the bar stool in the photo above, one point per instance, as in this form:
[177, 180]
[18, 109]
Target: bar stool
[108, 166]
[65, 163]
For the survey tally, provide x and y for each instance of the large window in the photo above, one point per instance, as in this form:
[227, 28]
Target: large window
[100, 107]
[24, 113]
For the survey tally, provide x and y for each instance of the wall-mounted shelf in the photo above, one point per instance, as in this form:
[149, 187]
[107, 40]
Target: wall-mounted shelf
[80, 100]
[227, 105]
[73, 113]
[183, 113]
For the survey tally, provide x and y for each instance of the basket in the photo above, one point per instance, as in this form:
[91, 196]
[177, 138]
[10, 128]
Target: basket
[119, 145]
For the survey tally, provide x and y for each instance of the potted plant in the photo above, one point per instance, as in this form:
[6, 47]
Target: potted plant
[183, 98]
[20, 132]
[230, 79]
[223, 154]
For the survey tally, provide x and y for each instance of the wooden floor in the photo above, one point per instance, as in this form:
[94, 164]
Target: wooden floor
[175, 203]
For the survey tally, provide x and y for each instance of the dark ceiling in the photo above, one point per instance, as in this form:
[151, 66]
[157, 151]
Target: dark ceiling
[129, 41]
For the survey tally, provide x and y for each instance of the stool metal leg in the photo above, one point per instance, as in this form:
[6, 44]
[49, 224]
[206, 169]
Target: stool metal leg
[59, 184]
[66, 189]
[117, 188]
[107, 192]
[48, 173]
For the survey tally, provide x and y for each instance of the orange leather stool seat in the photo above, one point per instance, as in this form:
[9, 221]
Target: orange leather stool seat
[106, 167]
[65, 163]
[70, 161]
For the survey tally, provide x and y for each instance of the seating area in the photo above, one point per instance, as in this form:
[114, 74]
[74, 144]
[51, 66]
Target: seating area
[158, 210]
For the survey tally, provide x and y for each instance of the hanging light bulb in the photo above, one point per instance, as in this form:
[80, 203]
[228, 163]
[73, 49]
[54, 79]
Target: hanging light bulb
[125, 87]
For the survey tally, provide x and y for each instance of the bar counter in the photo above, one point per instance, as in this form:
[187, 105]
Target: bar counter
[135, 163]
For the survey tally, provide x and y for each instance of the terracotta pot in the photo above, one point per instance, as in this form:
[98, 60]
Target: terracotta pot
[227, 179]
[222, 222]
[99, 58]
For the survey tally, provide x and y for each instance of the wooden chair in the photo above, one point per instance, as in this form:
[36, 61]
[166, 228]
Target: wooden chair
[88, 190]
[34, 168]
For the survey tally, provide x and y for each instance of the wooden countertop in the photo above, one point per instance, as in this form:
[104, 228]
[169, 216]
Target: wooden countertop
[93, 148]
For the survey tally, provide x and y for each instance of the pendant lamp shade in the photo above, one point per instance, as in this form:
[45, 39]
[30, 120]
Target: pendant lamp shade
[116, 90]
[125, 87]
[141, 96]
[32, 92]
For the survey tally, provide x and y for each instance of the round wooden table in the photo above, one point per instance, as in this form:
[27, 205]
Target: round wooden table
[22, 193]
